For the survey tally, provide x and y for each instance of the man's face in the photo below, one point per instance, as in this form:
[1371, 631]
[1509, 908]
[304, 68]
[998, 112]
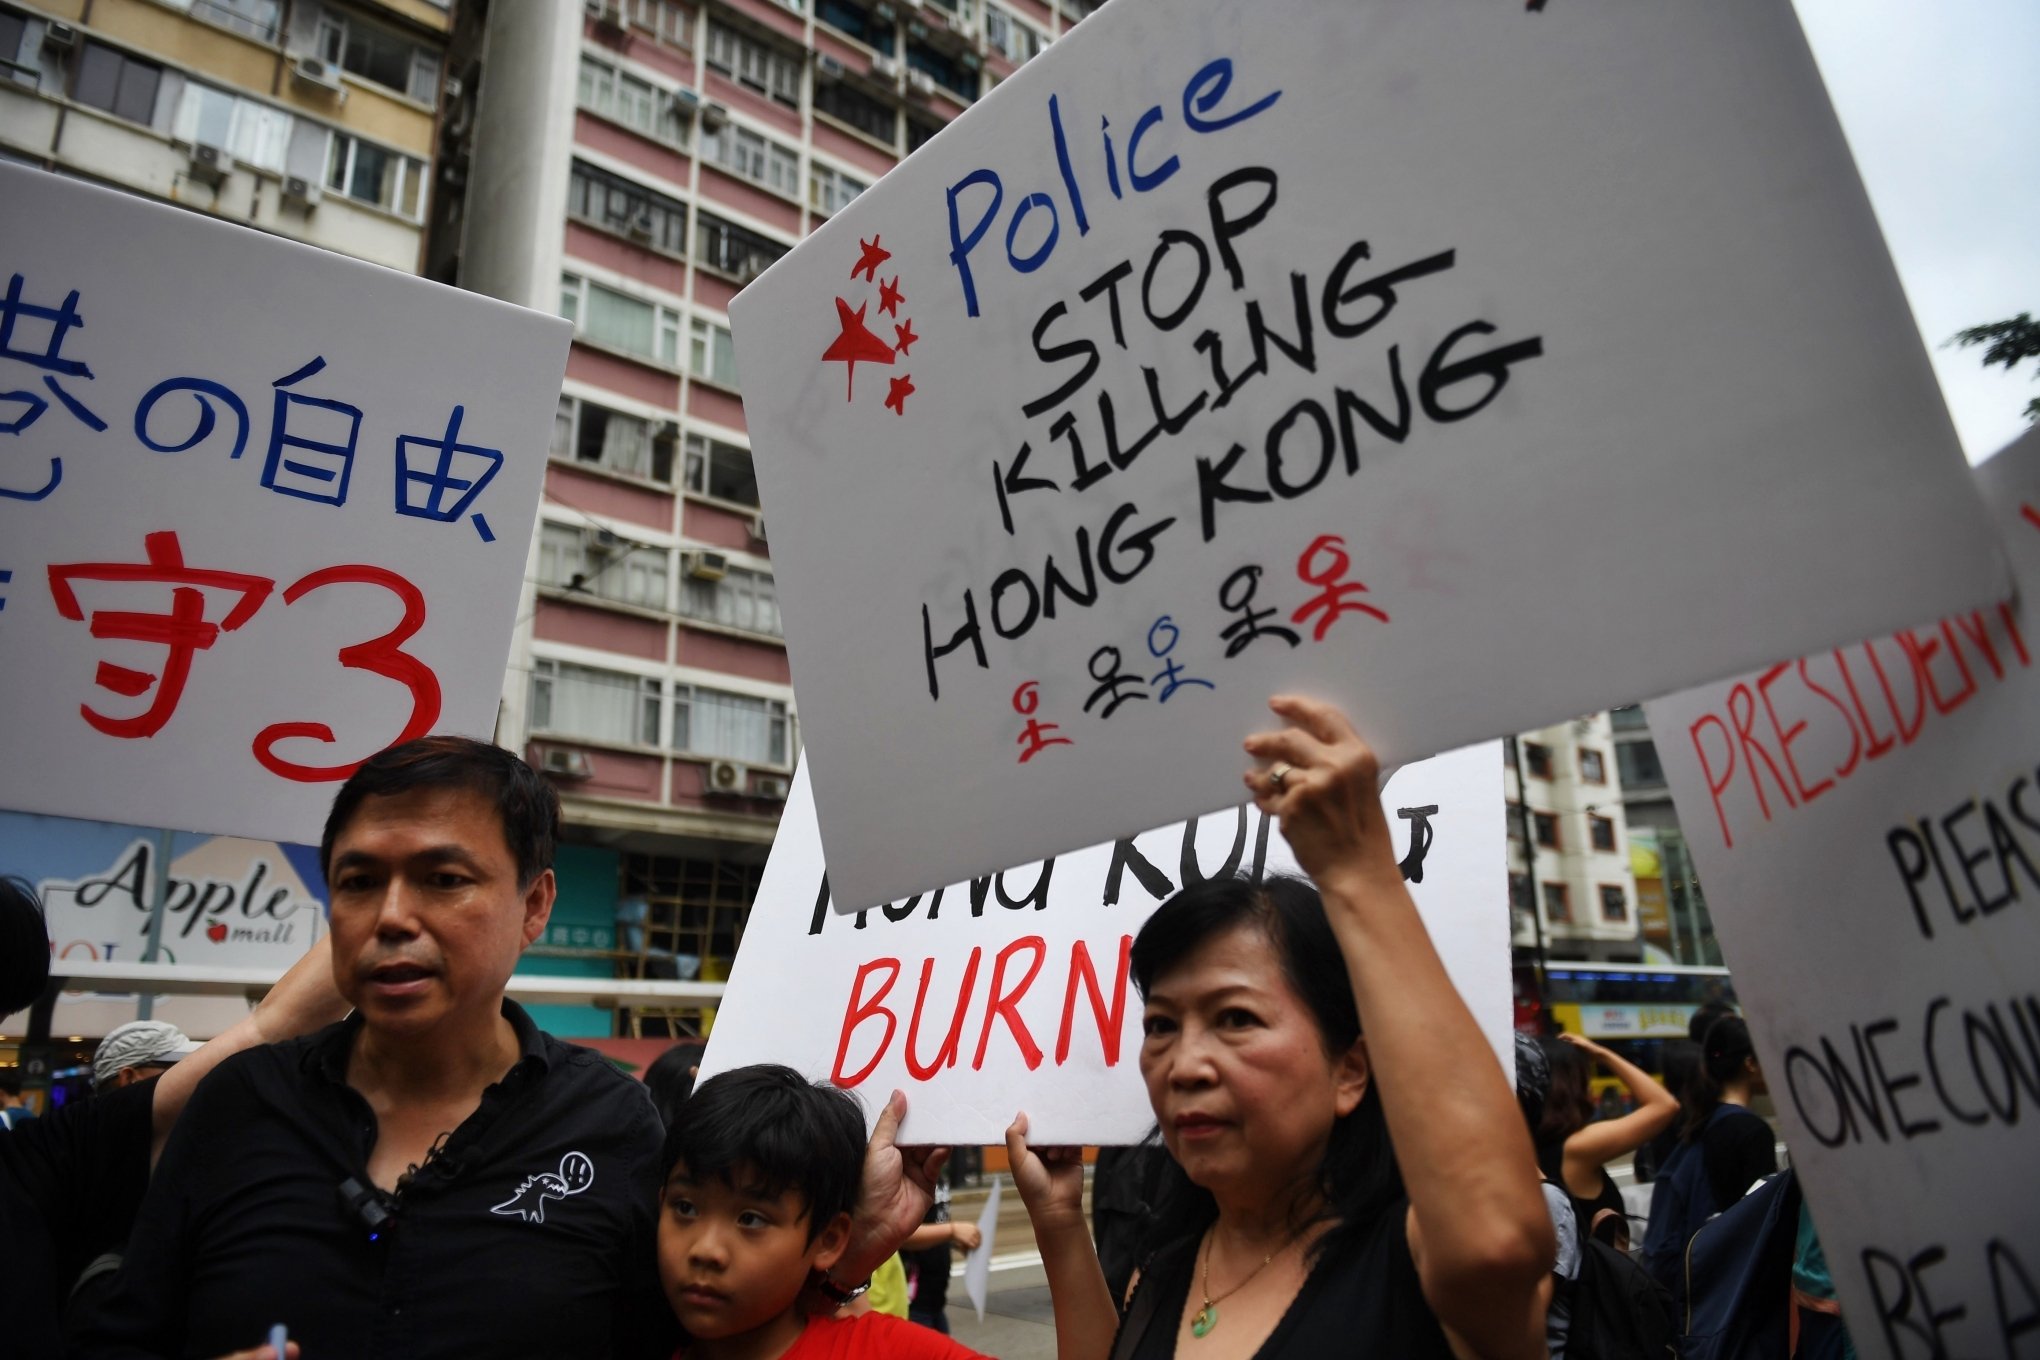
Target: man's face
[428, 918]
[128, 1076]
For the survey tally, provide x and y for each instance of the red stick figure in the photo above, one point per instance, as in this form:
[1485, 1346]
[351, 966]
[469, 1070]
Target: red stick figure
[184, 630]
[1035, 738]
[1333, 601]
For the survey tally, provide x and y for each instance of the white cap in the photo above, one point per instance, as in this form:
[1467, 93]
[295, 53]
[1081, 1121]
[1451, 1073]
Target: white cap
[139, 1043]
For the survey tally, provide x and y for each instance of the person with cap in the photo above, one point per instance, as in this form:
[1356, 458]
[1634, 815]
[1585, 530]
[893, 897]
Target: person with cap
[137, 1051]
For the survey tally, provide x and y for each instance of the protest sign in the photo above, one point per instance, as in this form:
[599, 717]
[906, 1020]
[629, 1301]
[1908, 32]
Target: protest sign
[1867, 823]
[264, 511]
[977, 1266]
[1470, 365]
[1010, 992]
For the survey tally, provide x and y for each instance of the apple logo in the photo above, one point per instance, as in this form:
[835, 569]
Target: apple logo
[216, 932]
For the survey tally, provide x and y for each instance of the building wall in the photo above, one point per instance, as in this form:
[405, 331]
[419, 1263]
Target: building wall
[1586, 891]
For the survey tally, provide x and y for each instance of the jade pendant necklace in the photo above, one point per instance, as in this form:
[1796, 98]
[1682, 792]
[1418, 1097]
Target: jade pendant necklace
[1205, 1319]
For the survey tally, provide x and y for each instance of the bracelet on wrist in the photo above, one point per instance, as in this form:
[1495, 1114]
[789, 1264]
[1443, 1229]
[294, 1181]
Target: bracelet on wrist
[836, 1293]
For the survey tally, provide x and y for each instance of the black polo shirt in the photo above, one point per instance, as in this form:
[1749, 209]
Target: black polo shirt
[531, 1233]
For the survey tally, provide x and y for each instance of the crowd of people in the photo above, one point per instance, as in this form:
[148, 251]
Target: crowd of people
[388, 1158]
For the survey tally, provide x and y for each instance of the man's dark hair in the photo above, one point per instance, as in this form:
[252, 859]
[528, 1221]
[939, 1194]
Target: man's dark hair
[24, 946]
[766, 1129]
[525, 804]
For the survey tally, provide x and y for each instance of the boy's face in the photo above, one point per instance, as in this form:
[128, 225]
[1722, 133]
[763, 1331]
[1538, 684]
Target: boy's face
[732, 1261]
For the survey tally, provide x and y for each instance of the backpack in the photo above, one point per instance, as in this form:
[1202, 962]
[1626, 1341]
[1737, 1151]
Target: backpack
[1681, 1200]
[1739, 1277]
[1618, 1311]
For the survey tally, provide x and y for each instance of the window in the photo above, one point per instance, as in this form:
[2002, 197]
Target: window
[602, 564]
[720, 470]
[919, 132]
[616, 204]
[122, 85]
[1011, 39]
[581, 701]
[950, 75]
[637, 104]
[1547, 829]
[668, 21]
[374, 174]
[1538, 758]
[1600, 832]
[847, 104]
[1614, 903]
[711, 722]
[1557, 903]
[256, 133]
[754, 64]
[959, 11]
[587, 433]
[22, 67]
[733, 250]
[754, 156]
[742, 599]
[710, 353]
[1593, 766]
[604, 316]
[1628, 718]
[1637, 762]
[255, 18]
[830, 190]
[1514, 818]
[1519, 892]
[858, 22]
[378, 54]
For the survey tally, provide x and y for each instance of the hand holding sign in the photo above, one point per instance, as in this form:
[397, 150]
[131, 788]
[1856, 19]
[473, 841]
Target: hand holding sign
[1324, 783]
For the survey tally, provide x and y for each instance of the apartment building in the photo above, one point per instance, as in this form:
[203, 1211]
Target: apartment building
[1672, 911]
[631, 165]
[1574, 873]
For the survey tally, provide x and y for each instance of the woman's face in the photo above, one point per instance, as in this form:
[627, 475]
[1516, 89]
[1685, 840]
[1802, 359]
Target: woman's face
[1236, 1069]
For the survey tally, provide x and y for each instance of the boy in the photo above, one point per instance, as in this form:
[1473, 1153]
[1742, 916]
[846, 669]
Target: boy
[762, 1172]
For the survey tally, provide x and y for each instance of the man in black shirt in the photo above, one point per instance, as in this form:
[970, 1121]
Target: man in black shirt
[433, 1176]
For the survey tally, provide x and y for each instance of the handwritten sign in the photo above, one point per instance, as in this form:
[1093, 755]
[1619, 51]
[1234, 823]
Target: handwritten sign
[1469, 364]
[263, 511]
[1011, 991]
[1867, 823]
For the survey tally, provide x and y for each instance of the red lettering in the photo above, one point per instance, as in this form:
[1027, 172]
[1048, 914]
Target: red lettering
[1005, 1005]
[862, 1010]
[1751, 746]
[2011, 622]
[946, 1055]
[1905, 738]
[1922, 656]
[1764, 683]
[1855, 738]
[1707, 769]
[1876, 748]
[1111, 1019]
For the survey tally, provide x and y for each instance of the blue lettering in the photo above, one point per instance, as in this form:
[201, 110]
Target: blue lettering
[1030, 263]
[1207, 88]
[960, 246]
[1069, 176]
[1144, 182]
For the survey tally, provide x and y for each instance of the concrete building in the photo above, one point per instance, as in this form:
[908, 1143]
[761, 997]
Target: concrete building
[311, 119]
[1672, 911]
[1573, 879]
[632, 164]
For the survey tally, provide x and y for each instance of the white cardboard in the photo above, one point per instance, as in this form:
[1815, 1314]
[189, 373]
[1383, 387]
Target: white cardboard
[1719, 439]
[165, 295]
[977, 1265]
[1879, 901]
[796, 978]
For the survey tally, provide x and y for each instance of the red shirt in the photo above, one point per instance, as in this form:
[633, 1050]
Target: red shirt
[871, 1336]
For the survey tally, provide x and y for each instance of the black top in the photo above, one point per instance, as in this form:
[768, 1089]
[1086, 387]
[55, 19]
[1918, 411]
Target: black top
[1738, 1150]
[70, 1183]
[1551, 1161]
[1361, 1298]
[531, 1233]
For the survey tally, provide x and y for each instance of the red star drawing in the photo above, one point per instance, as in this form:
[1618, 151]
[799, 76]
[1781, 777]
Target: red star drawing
[868, 262]
[854, 345]
[904, 337]
[896, 395]
[890, 297]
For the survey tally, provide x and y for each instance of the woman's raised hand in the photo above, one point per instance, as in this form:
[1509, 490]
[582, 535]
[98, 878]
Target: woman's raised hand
[1050, 1179]
[1322, 780]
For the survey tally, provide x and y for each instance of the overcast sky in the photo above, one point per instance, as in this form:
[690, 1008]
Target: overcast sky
[1942, 108]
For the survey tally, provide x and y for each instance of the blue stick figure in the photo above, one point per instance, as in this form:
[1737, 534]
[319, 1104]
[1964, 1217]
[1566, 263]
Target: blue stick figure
[1171, 674]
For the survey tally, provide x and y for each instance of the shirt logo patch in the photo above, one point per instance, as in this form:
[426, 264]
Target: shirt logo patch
[576, 1174]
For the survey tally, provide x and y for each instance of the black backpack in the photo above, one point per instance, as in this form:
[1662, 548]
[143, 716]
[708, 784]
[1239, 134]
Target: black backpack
[1618, 1311]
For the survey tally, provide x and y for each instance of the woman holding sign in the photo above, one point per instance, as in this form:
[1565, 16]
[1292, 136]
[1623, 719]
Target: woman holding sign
[1328, 1194]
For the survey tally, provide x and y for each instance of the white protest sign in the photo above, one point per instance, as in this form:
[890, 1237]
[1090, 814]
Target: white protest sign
[1867, 823]
[1466, 364]
[1010, 992]
[264, 511]
[977, 1266]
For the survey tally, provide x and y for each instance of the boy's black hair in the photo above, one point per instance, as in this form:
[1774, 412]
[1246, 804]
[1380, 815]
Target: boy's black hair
[766, 1129]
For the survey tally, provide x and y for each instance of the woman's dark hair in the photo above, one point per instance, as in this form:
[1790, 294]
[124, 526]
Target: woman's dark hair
[1681, 1060]
[24, 946]
[1358, 1175]
[670, 1078]
[766, 1129]
[1570, 1104]
[1721, 1060]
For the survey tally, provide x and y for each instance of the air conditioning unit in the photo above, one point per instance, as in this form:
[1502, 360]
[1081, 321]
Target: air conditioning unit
[569, 763]
[313, 71]
[301, 192]
[758, 528]
[608, 16]
[772, 788]
[704, 565]
[828, 65]
[885, 68]
[749, 268]
[726, 776]
[59, 37]
[640, 227]
[599, 542]
[211, 164]
[713, 116]
[686, 99]
[668, 433]
[921, 83]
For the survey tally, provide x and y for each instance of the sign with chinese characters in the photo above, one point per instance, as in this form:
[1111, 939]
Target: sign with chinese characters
[1622, 1020]
[1011, 991]
[1867, 823]
[263, 510]
[1472, 365]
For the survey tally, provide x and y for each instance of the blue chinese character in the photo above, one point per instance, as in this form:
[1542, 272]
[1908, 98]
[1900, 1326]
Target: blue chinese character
[319, 469]
[62, 320]
[200, 388]
[423, 491]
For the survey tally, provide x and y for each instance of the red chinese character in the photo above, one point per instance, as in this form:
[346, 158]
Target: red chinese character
[184, 631]
[1035, 738]
[1333, 601]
